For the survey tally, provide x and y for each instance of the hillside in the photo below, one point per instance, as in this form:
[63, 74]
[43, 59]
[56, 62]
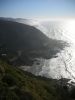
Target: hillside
[18, 85]
[23, 43]
[20, 44]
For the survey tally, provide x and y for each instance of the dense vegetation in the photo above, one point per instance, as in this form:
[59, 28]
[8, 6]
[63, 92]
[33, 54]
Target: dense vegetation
[18, 85]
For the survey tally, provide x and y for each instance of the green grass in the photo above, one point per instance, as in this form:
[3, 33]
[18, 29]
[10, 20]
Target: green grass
[16, 84]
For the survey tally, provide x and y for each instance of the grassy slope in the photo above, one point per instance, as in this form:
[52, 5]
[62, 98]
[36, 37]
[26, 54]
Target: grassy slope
[18, 85]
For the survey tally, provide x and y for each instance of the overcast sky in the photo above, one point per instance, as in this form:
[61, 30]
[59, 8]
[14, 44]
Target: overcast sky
[37, 8]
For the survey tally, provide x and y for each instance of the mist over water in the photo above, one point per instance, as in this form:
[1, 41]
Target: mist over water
[63, 65]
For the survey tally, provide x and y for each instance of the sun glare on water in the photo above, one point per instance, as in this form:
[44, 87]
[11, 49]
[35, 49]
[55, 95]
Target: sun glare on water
[69, 28]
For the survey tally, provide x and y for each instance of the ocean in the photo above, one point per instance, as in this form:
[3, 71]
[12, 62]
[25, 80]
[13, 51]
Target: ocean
[63, 65]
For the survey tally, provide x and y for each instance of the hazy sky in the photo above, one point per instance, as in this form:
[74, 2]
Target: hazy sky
[37, 8]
